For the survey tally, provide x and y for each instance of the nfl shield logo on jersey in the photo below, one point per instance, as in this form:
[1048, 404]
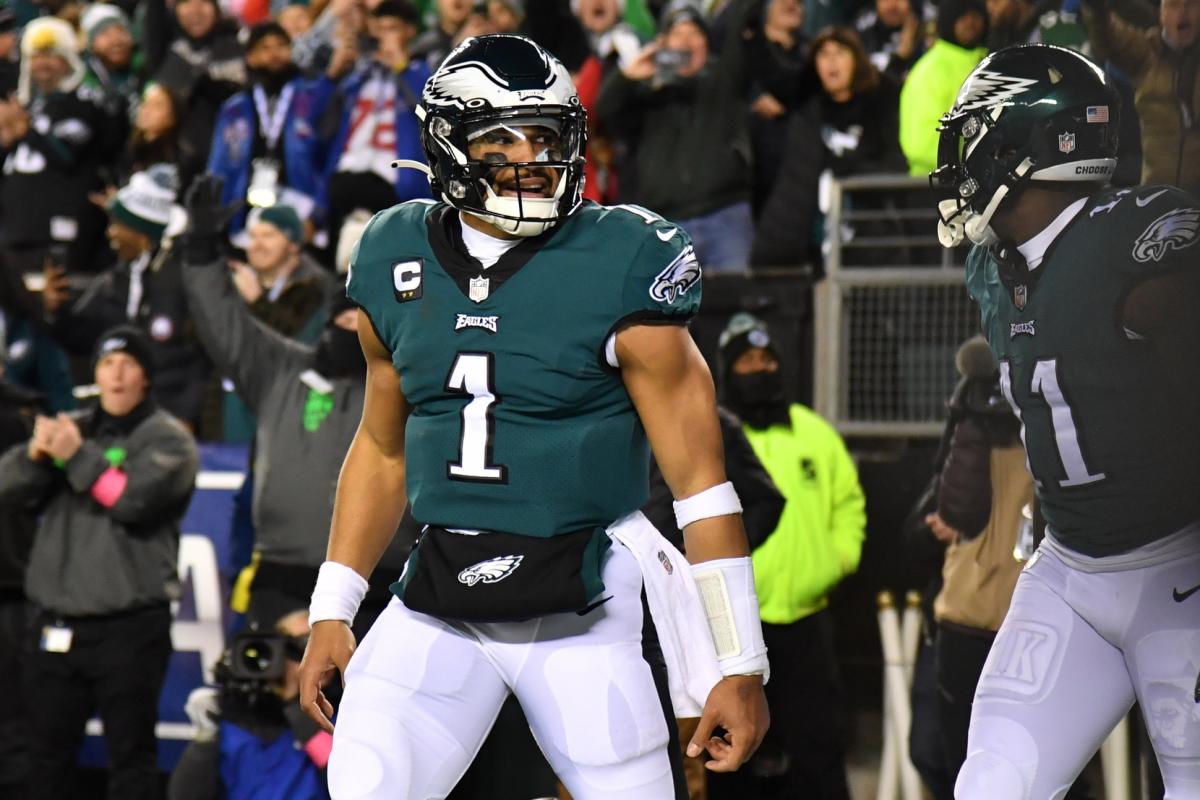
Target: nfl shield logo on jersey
[1066, 142]
[477, 289]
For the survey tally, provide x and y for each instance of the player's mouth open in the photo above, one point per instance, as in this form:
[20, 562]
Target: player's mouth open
[526, 187]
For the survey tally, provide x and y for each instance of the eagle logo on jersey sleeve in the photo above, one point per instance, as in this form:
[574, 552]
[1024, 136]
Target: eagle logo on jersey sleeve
[680, 275]
[493, 570]
[1174, 230]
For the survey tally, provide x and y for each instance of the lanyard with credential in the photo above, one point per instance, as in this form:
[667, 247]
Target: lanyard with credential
[270, 124]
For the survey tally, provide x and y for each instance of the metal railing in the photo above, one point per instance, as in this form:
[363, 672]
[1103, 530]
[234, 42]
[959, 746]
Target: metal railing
[890, 312]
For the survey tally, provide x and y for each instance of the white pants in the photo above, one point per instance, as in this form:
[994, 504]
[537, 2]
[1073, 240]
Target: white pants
[422, 694]
[1083, 638]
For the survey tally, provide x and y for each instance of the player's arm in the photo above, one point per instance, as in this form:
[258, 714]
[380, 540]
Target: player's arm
[673, 392]
[1163, 310]
[366, 512]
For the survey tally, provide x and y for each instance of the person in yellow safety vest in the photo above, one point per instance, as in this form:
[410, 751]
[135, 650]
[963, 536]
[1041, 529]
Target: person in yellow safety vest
[817, 542]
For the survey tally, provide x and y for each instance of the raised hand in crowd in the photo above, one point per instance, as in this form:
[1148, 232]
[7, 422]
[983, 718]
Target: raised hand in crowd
[767, 106]
[345, 51]
[14, 122]
[207, 219]
[102, 198]
[910, 34]
[642, 67]
[56, 292]
[391, 51]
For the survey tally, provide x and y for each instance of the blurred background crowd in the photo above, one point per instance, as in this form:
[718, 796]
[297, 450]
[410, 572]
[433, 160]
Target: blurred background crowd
[730, 117]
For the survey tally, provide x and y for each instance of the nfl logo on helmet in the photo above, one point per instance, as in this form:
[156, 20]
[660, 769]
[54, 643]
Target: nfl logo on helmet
[1066, 142]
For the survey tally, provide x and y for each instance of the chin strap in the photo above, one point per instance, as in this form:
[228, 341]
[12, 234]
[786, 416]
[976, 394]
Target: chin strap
[959, 222]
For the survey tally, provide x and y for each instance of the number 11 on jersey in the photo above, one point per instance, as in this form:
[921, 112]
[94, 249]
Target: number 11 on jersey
[474, 374]
[1066, 436]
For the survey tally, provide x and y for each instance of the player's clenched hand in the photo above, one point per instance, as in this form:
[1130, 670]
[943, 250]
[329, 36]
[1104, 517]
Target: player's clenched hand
[330, 645]
[738, 705]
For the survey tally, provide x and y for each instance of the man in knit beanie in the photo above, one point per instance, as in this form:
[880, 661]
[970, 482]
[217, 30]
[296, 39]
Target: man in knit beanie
[139, 212]
[50, 59]
[144, 290]
[114, 80]
[276, 262]
[49, 135]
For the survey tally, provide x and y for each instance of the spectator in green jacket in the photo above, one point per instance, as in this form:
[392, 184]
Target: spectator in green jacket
[933, 82]
[817, 543]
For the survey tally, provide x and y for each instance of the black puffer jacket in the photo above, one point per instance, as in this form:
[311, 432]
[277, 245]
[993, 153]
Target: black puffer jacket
[693, 145]
[984, 421]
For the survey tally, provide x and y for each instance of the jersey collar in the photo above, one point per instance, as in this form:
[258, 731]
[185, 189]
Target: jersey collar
[446, 239]
[1034, 250]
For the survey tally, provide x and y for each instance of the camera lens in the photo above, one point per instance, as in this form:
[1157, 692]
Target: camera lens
[256, 658]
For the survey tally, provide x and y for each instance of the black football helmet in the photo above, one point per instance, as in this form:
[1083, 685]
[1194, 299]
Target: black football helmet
[1027, 113]
[503, 86]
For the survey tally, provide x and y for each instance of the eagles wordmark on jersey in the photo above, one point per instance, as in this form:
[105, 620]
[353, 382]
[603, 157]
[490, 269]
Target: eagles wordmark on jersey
[1106, 438]
[1092, 321]
[521, 423]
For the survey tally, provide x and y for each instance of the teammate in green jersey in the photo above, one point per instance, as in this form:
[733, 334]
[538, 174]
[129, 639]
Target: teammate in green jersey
[1088, 297]
[523, 347]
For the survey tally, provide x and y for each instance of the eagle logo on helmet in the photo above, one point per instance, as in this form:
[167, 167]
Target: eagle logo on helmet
[476, 80]
[1174, 230]
[492, 570]
[987, 89]
[503, 81]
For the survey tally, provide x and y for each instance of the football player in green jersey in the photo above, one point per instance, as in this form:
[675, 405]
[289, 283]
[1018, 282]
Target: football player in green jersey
[1088, 297]
[523, 348]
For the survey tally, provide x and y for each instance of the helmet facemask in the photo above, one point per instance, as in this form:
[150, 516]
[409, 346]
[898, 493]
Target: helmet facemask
[520, 169]
[969, 159]
[1031, 113]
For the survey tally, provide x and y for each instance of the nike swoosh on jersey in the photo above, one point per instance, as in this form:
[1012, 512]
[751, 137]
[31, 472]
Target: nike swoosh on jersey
[669, 234]
[1142, 202]
[1181, 596]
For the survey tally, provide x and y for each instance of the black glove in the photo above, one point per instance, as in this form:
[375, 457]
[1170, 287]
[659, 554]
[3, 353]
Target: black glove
[207, 220]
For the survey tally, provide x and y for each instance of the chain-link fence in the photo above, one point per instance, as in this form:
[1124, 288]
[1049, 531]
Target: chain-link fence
[890, 313]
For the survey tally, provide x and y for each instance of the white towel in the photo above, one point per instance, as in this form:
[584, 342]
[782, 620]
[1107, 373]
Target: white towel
[683, 632]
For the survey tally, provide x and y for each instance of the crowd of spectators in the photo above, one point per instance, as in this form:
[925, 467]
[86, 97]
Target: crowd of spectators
[729, 117]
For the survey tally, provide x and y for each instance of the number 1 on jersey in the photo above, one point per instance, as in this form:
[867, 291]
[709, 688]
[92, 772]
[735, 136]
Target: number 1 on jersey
[1066, 436]
[473, 374]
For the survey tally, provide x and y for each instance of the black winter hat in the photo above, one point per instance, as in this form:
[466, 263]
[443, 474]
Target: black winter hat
[129, 340]
[950, 10]
[261, 30]
[743, 332]
[680, 11]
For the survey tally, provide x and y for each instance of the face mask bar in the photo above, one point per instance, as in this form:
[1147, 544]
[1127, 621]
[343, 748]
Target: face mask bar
[469, 182]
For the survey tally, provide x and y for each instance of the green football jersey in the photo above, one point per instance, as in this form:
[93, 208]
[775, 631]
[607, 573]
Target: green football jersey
[519, 423]
[1114, 457]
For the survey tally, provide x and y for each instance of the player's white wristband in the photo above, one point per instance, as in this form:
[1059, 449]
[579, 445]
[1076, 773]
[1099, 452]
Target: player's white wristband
[337, 595]
[726, 587]
[715, 501]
